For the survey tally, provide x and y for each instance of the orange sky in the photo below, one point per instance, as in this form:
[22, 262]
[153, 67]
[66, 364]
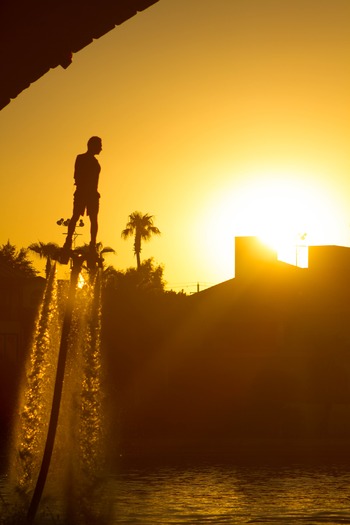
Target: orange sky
[219, 118]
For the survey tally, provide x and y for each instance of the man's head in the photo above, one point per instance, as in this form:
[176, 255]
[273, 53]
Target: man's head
[94, 145]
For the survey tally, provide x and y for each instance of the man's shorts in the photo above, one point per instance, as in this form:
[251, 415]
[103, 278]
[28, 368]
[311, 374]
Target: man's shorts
[89, 202]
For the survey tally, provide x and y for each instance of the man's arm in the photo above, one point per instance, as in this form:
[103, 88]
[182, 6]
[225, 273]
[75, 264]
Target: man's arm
[78, 171]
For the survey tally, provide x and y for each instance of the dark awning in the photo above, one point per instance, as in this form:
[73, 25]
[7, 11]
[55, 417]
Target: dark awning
[37, 35]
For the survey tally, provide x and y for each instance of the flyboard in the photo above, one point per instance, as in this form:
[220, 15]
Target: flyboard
[89, 255]
[93, 262]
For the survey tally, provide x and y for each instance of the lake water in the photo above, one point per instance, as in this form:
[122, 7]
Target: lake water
[220, 493]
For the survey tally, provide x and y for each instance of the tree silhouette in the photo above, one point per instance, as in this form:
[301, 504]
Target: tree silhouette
[16, 260]
[142, 228]
[48, 251]
[148, 279]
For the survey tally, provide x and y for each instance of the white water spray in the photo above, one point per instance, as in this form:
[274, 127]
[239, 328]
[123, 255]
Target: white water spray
[75, 477]
[36, 394]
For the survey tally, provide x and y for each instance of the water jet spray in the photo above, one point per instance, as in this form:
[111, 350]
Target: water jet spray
[77, 262]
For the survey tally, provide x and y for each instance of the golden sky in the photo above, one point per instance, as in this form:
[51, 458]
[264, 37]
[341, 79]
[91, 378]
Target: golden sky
[220, 118]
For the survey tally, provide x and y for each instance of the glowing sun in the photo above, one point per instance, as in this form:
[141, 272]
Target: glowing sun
[287, 211]
[284, 211]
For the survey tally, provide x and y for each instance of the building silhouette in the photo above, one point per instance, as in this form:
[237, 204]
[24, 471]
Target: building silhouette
[265, 355]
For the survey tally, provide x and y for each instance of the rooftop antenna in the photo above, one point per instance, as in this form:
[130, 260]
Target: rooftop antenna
[302, 237]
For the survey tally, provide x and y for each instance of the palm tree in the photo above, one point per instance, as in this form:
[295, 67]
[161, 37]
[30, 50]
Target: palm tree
[48, 251]
[16, 260]
[142, 227]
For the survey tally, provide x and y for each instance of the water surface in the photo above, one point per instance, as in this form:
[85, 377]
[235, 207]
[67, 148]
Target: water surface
[148, 494]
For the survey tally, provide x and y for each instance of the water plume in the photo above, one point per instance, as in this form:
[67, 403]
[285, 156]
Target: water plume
[73, 482]
[36, 394]
[83, 401]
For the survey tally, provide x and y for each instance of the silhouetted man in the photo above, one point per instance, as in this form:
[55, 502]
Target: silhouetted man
[86, 196]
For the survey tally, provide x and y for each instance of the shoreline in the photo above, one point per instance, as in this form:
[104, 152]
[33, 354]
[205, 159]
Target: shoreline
[239, 450]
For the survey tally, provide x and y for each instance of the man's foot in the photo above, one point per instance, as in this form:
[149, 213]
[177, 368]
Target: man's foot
[65, 252]
[93, 260]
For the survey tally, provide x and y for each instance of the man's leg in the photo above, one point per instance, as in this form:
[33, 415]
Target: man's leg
[93, 229]
[71, 228]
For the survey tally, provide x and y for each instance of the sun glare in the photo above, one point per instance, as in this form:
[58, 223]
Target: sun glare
[284, 211]
[81, 281]
[287, 211]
